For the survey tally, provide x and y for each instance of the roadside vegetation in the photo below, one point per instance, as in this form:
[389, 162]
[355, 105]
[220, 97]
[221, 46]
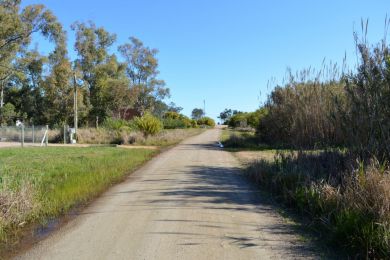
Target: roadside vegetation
[331, 131]
[37, 184]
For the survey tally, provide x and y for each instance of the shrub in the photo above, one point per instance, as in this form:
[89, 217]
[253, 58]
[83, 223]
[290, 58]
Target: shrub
[170, 123]
[367, 109]
[303, 114]
[206, 121]
[238, 120]
[351, 207]
[251, 119]
[172, 115]
[174, 120]
[148, 124]
[116, 124]
[193, 123]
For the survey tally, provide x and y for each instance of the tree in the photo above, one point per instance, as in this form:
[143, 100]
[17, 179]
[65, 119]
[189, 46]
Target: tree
[173, 108]
[225, 115]
[142, 70]
[197, 113]
[24, 67]
[7, 114]
[106, 82]
[17, 28]
[25, 90]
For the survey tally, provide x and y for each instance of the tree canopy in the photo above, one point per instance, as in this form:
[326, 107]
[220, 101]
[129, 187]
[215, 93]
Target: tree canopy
[40, 88]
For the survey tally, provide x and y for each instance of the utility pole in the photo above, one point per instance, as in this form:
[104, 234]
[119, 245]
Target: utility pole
[75, 103]
[2, 94]
[204, 107]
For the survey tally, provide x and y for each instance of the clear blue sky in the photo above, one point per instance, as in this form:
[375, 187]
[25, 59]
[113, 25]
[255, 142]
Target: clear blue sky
[225, 51]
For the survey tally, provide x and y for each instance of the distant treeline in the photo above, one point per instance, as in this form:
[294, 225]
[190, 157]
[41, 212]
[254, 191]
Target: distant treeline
[39, 89]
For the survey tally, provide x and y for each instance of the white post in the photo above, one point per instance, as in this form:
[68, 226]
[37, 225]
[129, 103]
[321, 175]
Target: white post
[64, 134]
[2, 94]
[75, 103]
[47, 135]
[22, 135]
[33, 134]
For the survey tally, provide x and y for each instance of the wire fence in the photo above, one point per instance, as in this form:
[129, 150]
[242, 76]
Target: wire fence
[24, 135]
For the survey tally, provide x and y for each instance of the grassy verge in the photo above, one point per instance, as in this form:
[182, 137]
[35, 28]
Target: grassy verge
[241, 140]
[39, 184]
[347, 201]
[350, 209]
[164, 138]
[170, 137]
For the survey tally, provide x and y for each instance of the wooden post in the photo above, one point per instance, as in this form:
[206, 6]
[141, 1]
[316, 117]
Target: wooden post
[33, 134]
[22, 135]
[75, 103]
[47, 135]
[64, 134]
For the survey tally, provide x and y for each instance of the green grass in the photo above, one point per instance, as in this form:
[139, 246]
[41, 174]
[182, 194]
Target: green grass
[238, 140]
[45, 183]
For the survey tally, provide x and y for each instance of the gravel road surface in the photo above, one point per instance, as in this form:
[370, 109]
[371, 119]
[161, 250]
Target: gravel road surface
[190, 202]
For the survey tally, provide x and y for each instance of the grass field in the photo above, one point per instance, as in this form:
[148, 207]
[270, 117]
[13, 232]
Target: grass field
[38, 184]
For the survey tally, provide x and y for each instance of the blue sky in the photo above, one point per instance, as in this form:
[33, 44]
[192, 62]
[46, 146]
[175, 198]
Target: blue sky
[225, 51]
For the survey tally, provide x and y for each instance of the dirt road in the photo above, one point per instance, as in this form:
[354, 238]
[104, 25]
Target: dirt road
[188, 203]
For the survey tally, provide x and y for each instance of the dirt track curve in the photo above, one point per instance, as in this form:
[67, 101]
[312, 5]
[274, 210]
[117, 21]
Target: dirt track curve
[188, 203]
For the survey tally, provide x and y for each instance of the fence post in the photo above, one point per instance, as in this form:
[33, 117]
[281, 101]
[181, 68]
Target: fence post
[22, 135]
[47, 135]
[33, 134]
[64, 134]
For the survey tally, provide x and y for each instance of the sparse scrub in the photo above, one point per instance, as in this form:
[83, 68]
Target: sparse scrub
[117, 124]
[206, 121]
[105, 136]
[174, 120]
[303, 114]
[243, 120]
[338, 173]
[241, 138]
[169, 137]
[148, 124]
[350, 207]
[366, 113]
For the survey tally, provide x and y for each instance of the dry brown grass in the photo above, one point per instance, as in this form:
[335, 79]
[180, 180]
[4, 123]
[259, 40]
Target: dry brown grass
[350, 207]
[169, 136]
[368, 191]
[15, 206]
[104, 136]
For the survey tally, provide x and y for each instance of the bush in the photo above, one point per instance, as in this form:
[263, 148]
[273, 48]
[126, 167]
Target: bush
[251, 119]
[116, 124]
[193, 123]
[303, 114]
[367, 109]
[148, 124]
[206, 121]
[238, 120]
[170, 123]
[172, 115]
[174, 120]
[350, 207]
